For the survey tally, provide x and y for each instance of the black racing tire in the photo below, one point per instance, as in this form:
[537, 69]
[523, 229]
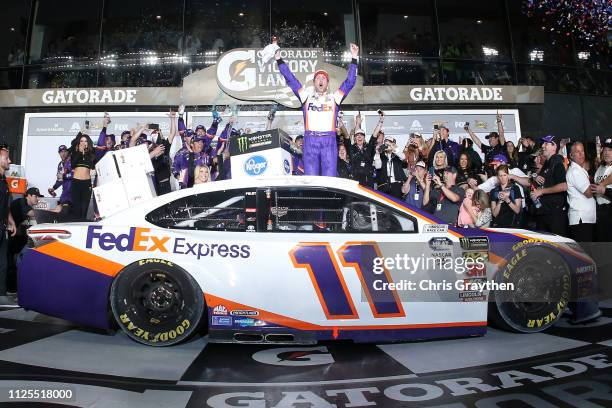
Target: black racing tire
[157, 303]
[542, 289]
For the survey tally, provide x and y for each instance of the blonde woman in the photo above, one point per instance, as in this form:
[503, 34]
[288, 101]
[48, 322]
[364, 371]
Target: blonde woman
[440, 162]
[201, 174]
[480, 209]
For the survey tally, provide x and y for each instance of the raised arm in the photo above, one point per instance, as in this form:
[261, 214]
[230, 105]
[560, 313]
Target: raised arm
[351, 76]
[475, 138]
[500, 128]
[291, 80]
[173, 131]
[135, 134]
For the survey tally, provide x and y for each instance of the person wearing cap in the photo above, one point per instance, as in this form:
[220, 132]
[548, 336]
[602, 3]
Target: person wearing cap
[390, 174]
[361, 152]
[63, 176]
[106, 142]
[497, 141]
[320, 146]
[189, 161]
[414, 186]
[7, 225]
[22, 209]
[441, 142]
[551, 179]
[582, 206]
[447, 198]
[601, 189]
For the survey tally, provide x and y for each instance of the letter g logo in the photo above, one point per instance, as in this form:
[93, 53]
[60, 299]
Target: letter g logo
[235, 71]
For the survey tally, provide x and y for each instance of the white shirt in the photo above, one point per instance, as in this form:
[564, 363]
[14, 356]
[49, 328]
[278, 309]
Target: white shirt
[580, 206]
[600, 175]
[492, 182]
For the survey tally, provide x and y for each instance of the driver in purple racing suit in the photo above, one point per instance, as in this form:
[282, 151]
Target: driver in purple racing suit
[320, 151]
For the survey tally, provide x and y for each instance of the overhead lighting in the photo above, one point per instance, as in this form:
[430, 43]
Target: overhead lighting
[158, 17]
[536, 55]
[241, 14]
[490, 52]
[325, 13]
[478, 21]
[405, 17]
[12, 28]
[584, 55]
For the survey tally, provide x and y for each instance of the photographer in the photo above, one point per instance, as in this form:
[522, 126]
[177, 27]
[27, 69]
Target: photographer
[414, 186]
[361, 154]
[445, 200]
[390, 173]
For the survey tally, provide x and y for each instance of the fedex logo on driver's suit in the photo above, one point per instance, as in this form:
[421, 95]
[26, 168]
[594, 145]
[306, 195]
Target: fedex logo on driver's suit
[135, 240]
[325, 107]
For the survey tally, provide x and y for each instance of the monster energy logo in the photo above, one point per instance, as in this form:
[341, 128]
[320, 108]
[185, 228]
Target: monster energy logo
[243, 144]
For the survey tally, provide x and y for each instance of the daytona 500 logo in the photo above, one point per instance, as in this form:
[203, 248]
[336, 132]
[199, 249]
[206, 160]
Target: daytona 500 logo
[139, 239]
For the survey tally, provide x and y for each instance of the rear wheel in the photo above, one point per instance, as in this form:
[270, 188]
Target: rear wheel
[542, 288]
[156, 302]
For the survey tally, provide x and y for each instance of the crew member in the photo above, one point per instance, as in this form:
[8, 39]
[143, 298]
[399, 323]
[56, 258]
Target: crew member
[388, 163]
[63, 176]
[7, 225]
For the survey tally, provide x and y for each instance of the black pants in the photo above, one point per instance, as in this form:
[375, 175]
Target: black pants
[80, 193]
[603, 228]
[555, 223]
[582, 232]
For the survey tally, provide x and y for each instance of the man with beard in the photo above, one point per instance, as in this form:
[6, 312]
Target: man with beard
[441, 142]
[320, 108]
[497, 142]
[527, 148]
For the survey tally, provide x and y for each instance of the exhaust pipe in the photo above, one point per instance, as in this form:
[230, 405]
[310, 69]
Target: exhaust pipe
[280, 338]
[249, 337]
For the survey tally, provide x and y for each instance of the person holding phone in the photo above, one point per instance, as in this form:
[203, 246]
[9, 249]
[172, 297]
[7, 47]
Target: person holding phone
[497, 141]
[442, 142]
[506, 200]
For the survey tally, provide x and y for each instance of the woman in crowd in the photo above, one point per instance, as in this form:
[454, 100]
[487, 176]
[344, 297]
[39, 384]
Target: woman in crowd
[603, 185]
[506, 201]
[480, 209]
[411, 155]
[440, 162]
[465, 218]
[82, 160]
[513, 157]
[202, 174]
[465, 170]
[344, 165]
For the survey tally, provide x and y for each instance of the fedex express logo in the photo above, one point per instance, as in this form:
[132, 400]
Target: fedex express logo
[135, 240]
[325, 107]
[139, 239]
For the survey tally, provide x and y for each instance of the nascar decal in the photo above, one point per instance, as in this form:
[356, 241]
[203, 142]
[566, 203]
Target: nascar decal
[140, 239]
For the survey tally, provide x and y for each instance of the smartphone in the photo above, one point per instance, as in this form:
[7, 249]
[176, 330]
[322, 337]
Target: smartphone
[153, 126]
[436, 127]
[380, 112]
[87, 124]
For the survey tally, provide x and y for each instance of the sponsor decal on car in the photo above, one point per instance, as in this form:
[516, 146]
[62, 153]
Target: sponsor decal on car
[255, 165]
[139, 239]
[244, 312]
[440, 243]
[435, 228]
[244, 321]
[221, 321]
[220, 310]
[474, 243]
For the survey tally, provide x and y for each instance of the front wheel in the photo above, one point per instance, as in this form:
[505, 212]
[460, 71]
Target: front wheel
[156, 303]
[542, 289]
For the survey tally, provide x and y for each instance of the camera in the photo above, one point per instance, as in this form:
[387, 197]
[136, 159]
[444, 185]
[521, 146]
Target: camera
[87, 124]
[153, 126]
[436, 127]
[380, 112]
[466, 126]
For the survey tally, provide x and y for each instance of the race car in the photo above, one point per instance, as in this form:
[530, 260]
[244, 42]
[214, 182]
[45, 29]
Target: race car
[297, 260]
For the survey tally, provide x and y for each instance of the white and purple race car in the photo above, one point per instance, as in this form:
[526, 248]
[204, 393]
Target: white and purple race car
[298, 260]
